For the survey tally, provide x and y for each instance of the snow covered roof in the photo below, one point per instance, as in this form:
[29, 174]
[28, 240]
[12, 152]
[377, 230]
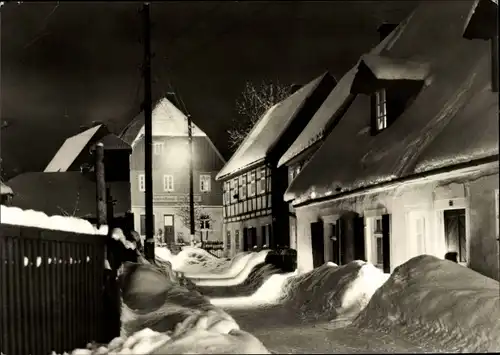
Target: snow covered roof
[374, 70]
[482, 21]
[5, 190]
[70, 192]
[323, 121]
[454, 118]
[168, 120]
[268, 130]
[70, 150]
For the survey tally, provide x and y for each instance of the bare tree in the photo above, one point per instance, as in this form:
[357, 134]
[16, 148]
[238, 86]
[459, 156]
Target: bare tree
[254, 101]
[199, 215]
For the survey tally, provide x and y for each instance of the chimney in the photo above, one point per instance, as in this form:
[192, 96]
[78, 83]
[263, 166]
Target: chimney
[295, 87]
[385, 29]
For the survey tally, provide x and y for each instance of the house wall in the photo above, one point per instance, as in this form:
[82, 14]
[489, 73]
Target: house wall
[182, 231]
[174, 160]
[427, 200]
[231, 228]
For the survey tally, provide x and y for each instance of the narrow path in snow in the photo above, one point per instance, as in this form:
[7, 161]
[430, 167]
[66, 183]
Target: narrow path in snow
[276, 327]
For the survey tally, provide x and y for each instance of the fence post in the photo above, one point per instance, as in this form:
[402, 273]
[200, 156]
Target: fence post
[100, 185]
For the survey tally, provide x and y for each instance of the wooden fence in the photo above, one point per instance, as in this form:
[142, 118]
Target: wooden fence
[50, 290]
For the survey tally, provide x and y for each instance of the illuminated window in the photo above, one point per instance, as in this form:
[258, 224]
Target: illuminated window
[380, 110]
[168, 183]
[142, 182]
[205, 181]
[157, 148]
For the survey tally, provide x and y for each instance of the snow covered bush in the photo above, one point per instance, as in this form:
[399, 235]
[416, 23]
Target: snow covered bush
[440, 302]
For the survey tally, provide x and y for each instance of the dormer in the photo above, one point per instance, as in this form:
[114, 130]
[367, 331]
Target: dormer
[482, 23]
[393, 85]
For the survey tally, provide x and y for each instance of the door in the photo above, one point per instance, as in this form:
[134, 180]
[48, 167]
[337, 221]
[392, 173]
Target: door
[454, 231]
[263, 239]
[168, 229]
[252, 237]
[335, 243]
[245, 239]
[318, 246]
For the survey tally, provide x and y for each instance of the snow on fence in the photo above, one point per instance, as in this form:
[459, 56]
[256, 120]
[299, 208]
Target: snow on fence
[50, 284]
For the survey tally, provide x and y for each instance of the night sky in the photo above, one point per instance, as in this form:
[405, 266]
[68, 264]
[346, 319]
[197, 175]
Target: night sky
[70, 64]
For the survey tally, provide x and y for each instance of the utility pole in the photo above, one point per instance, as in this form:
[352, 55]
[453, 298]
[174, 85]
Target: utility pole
[149, 247]
[101, 212]
[191, 180]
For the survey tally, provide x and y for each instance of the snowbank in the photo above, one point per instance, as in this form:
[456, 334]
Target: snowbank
[164, 254]
[29, 218]
[153, 299]
[332, 291]
[259, 275]
[432, 300]
[268, 294]
[194, 260]
[227, 271]
[254, 260]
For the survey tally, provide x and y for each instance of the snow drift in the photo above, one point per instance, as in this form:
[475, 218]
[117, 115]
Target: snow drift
[226, 271]
[254, 260]
[30, 218]
[332, 291]
[258, 276]
[152, 298]
[438, 301]
[329, 292]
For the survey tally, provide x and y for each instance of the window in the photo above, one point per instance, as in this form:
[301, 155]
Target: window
[168, 183]
[251, 185]
[237, 240]
[380, 110]
[205, 180]
[243, 187]
[228, 240]
[205, 223]
[497, 215]
[157, 148]
[378, 239]
[142, 182]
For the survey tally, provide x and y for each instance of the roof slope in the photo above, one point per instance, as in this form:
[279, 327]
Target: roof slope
[168, 121]
[65, 193]
[456, 94]
[268, 130]
[70, 150]
[321, 123]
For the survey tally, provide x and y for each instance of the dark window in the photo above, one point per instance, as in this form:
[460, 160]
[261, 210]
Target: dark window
[228, 240]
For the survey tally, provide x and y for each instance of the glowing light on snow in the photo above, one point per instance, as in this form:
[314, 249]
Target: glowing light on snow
[49, 261]
[269, 293]
[255, 259]
[38, 261]
[26, 261]
[88, 259]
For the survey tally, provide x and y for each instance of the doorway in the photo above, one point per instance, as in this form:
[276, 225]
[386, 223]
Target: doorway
[335, 243]
[168, 229]
[454, 232]
[317, 243]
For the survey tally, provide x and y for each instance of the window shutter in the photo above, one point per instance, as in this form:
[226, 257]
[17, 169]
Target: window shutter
[373, 114]
[359, 238]
[341, 228]
[386, 242]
